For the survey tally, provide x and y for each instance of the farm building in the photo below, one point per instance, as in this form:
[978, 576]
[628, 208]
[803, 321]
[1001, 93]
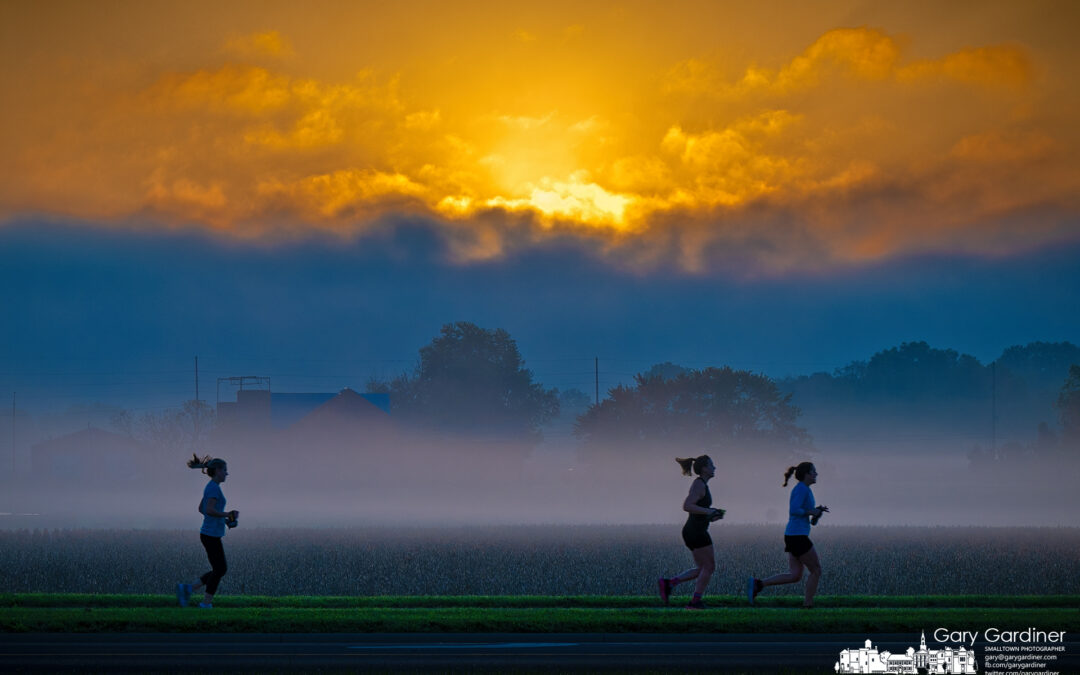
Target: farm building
[346, 432]
[260, 410]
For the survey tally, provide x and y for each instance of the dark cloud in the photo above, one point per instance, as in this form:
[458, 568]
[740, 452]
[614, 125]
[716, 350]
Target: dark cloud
[336, 311]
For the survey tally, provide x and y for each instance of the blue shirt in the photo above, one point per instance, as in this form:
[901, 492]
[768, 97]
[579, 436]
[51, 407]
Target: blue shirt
[801, 507]
[213, 527]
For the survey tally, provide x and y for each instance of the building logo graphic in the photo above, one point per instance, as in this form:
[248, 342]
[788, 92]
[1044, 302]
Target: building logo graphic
[868, 659]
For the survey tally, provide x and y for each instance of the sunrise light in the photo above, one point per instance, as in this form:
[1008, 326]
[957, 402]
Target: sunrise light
[591, 121]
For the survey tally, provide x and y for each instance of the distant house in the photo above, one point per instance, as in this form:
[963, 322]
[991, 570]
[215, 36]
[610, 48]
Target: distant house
[289, 410]
[345, 411]
[90, 454]
[344, 434]
[264, 411]
[279, 427]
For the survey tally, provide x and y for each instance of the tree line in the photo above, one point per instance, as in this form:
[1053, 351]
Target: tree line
[474, 381]
[471, 379]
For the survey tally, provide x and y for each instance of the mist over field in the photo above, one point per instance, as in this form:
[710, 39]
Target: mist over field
[915, 435]
[462, 482]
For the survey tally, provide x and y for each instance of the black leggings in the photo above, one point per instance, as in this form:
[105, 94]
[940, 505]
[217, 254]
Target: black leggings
[216, 553]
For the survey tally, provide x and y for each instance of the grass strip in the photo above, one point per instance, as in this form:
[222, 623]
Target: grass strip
[528, 620]
[82, 600]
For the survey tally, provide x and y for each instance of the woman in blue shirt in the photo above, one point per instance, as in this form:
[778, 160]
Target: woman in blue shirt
[802, 514]
[215, 520]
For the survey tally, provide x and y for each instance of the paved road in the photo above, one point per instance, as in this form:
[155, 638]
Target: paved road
[442, 652]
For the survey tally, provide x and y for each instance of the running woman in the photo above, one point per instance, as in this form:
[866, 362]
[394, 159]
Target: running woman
[695, 532]
[801, 553]
[215, 520]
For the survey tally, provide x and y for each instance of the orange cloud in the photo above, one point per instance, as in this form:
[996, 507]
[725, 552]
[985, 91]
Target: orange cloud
[343, 194]
[865, 54]
[270, 43]
[996, 147]
[837, 149]
[860, 52]
[238, 89]
[1005, 65]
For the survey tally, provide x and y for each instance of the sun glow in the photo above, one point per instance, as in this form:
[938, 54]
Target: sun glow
[604, 120]
[572, 201]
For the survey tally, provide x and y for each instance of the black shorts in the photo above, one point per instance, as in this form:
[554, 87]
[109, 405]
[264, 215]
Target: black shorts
[797, 544]
[694, 538]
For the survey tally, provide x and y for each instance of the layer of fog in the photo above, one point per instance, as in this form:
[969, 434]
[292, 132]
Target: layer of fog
[406, 480]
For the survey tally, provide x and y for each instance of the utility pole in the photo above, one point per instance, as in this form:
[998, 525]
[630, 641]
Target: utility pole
[12, 435]
[196, 378]
[596, 371]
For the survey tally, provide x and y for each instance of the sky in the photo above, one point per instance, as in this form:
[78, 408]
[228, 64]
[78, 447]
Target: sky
[310, 190]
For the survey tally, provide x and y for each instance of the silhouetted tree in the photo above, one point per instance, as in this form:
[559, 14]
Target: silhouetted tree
[573, 402]
[471, 379]
[917, 369]
[711, 409]
[912, 372]
[1040, 364]
[666, 370]
[376, 386]
[174, 433]
[939, 392]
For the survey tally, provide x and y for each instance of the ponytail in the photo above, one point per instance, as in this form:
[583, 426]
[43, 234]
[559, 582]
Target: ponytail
[206, 464]
[799, 471]
[695, 463]
[787, 474]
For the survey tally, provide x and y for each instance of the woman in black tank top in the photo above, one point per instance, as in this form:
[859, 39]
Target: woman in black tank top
[695, 533]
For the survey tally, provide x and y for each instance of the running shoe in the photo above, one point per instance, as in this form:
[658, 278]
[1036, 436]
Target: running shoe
[665, 589]
[205, 605]
[183, 594]
[696, 604]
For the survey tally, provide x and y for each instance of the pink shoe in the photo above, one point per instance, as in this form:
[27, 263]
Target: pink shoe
[665, 588]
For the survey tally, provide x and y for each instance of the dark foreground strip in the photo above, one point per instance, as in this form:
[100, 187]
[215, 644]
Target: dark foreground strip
[494, 652]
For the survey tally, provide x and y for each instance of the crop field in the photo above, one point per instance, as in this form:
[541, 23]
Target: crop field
[552, 560]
